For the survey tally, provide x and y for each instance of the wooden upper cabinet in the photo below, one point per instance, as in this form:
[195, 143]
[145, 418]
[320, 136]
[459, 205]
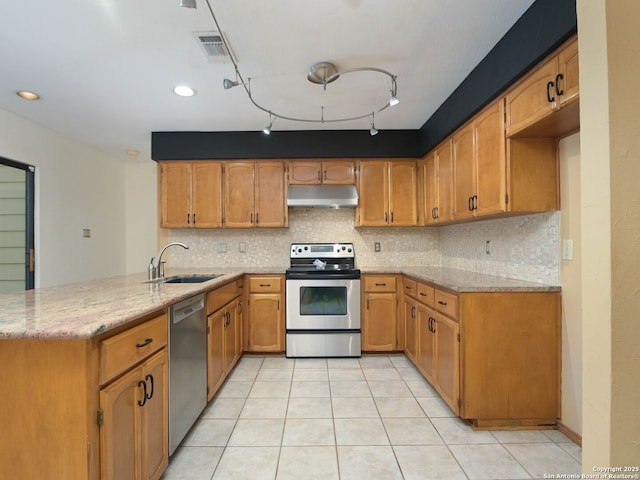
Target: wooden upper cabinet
[464, 173]
[190, 194]
[254, 194]
[328, 172]
[388, 193]
[373, 204]
[435, 185]
[339, 172]
[238, 194]
[480, 165]
[403, 185]
[270, 204]
[535, 103]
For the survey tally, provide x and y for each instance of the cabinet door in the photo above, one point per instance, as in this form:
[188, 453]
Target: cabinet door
[444, 163]
[568, 67]
[266, 325]
[338, 172]
[207, 194]
[403, 189]
[119, 448]
[490, 160]
[238, 194]
[175, 194]
[373, 205]
[429, 189]
[215, 352]
[447, 380]
[305, 173]
[464, 173]
[411, 329]
[426, 342]
[270, 195]
[154, 430]
[231, 336]
[529, 101]
[379, 322]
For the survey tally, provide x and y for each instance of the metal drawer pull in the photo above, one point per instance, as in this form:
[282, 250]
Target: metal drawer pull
[265, 284]
[381, 284]
[422, 294]
[442, 303]
[148, 378]
[145, 343]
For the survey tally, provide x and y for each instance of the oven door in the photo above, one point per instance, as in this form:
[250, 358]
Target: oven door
[323, 304]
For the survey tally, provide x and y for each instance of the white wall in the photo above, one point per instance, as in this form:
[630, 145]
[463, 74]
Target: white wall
[571, 281]
[76, 188]
[141, 214]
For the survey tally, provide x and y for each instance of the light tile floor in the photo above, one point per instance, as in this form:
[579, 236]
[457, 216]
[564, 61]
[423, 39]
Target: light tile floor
[369, 418]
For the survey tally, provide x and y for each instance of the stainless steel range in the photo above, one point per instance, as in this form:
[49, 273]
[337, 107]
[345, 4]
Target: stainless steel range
[323, 301]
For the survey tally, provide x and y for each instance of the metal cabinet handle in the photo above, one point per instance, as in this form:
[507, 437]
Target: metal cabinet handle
[470, 204]
[257, 218]
[194, 218]
[188, 218]
[143, 384]
[442, 303]
[148, 378]
[145, 343]
[550, 99]
[391, 217]
[413, 312]
[559, 91]
[381, 284]
[386, 217]
[422, 294]
[265, 284]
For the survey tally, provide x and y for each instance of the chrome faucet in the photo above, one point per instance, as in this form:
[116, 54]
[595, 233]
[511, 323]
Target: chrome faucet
[156, 265]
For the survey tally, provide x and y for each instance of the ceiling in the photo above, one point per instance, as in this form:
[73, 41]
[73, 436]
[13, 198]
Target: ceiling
[106, 69]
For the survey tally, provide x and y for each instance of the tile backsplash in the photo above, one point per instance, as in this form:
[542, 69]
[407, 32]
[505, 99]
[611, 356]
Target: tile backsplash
[525, 247]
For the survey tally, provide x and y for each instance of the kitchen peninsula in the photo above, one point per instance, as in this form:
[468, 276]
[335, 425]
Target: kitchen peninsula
[53, 344]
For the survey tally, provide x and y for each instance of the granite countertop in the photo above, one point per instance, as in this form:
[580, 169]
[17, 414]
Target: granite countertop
[86, 309]
[462, 281]
[83, 310]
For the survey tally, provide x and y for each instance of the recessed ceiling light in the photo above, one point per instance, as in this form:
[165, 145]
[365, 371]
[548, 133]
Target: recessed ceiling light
[28, 95]
[184, 91]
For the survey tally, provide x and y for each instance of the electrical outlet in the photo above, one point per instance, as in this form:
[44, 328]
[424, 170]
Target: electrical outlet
[86, 233]
[376, 247]
[242, 247]
[222, 247]
[487, 247]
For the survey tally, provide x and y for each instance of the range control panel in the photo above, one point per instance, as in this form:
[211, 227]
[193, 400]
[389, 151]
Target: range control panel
[320, 250]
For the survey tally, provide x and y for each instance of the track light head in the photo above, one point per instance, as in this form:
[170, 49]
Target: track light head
[393, 100]
[267, 129]
[228, 83]
[373, 131]
[188, 3]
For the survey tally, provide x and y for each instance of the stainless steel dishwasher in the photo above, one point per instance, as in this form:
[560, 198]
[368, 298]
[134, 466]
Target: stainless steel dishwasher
[187, 366]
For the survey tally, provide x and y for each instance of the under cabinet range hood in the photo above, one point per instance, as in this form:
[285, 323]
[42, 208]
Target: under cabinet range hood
[322, 196]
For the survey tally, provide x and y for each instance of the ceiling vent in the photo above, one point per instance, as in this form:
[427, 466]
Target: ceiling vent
[213, 46]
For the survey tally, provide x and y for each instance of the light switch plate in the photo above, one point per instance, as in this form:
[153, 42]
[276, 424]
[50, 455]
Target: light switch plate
[567, 249]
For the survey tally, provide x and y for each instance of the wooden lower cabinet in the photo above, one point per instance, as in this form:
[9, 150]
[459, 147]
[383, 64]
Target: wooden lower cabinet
[380, 313]
[494, 357]
[72, 424]
[224, 333]
[510, 358]
[134, 435]
[265, 322]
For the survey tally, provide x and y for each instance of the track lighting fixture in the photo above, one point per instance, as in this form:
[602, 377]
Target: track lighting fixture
[188, 3]
[267, 129]
[321, 73]
[373, 130]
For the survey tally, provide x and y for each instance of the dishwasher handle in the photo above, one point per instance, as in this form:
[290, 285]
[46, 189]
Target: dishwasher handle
[186, 309]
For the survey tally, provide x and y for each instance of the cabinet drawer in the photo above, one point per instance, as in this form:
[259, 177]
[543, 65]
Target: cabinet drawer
[379, 283]
[446, 303]
[268, 284]
[410, 287]
[221, 296]
[426, 294]
[121, 351]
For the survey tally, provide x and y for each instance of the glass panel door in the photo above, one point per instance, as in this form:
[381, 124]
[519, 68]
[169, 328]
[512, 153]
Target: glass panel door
[323, 300]
[16, 226]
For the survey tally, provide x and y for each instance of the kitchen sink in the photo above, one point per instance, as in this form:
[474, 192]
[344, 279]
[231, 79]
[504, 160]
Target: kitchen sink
[185, 278]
